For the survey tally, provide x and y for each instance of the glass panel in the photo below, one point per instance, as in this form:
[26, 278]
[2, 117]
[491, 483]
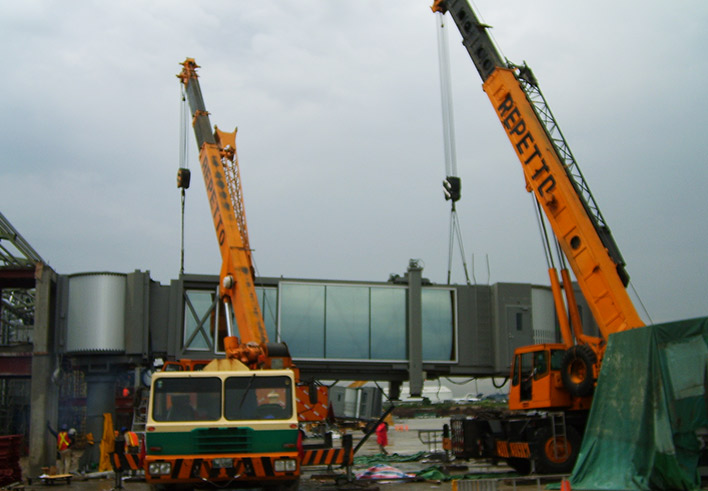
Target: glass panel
[557, 359]
[437, 325]
[526, 369]
[515, 370]
[196, 306]
[268, 299]
[388, 323]
[540, 364]
[187, 399]
[302, 310]
[254, 397]
[347, 322]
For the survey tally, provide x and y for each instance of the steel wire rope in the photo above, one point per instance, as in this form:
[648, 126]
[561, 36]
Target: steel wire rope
[639, 299]
[449, 147]
[183, 164]
[489, 30]
[543, 232]
[446, 100]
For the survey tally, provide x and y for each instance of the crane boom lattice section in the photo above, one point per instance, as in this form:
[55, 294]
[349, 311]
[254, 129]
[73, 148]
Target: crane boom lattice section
[233, 183]
[528, 83]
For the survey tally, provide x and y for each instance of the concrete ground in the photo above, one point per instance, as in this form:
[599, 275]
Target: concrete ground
[407, 437]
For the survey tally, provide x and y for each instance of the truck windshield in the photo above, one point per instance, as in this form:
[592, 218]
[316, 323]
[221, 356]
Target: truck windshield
[187, 399]
[252, 397]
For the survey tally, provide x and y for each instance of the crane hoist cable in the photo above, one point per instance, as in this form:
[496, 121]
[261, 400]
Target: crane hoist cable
[543, 231]
[183, 173]
[456, 232]
[446, 100]
[452, 184]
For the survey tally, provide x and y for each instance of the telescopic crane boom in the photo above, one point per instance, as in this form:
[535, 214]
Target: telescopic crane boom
[557, 378]
[551, 174]
[219, 165]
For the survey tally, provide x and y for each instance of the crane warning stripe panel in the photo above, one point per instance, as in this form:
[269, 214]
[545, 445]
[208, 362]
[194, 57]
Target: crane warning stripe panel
[124, 462]
[328, 456]
[196, 469]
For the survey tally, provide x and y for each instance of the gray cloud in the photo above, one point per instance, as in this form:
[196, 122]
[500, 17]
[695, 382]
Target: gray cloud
[337, 105]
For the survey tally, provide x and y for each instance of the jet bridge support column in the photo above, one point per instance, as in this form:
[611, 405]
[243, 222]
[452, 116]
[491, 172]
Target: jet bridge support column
[415, 328]
[44, 395]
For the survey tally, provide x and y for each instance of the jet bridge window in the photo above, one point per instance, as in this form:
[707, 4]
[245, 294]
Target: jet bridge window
[363, 322]
[199, 309]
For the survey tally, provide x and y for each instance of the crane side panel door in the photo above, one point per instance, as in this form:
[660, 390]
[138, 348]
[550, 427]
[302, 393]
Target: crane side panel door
[519, 328]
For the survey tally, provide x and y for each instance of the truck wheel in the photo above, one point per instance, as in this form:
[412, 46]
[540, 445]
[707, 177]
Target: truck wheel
[577, 370]
[522, 466]
[289, 486]
[556, 455]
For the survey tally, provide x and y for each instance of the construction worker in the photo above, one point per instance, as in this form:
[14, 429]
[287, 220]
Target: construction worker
[382, 437]
[85, 460]
[118, 457]
[64, 443]
[132, 443]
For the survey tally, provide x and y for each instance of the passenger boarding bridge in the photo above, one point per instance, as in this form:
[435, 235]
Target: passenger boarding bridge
[99, 335]
[75, 347]
[405, 329]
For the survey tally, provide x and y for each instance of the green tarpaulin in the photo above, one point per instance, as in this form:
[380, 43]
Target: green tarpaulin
[649, 403]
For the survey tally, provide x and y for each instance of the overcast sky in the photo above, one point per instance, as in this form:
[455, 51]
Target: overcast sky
[340, 136]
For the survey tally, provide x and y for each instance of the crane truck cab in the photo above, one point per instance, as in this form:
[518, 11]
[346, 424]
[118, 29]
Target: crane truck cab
[537, 380]
[218, 426]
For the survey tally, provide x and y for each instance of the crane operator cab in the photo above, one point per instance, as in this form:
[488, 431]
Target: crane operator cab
[537, 381]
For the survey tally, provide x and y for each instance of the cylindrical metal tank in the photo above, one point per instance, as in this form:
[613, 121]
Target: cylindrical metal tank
[96, 313]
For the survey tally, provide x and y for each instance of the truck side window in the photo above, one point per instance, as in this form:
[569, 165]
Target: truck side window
[557, 359]
[540, 364]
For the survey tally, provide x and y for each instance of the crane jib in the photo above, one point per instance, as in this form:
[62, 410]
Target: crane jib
[525, 144]
[209, 176]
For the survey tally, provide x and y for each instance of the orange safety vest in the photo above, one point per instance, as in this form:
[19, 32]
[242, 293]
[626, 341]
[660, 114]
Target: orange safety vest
[131, 439]
[63, 441]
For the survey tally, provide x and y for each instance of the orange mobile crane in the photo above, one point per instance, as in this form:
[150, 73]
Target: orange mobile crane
[232, 420]
[551, 384]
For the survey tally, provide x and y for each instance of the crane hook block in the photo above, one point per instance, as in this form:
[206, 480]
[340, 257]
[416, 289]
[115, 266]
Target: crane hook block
[452, 187]
[183, 177]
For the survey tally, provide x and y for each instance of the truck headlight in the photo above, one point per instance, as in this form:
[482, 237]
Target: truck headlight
[160, 468]
[285, 465]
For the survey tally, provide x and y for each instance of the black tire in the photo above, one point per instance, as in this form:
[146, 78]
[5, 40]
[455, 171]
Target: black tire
[577, 370]
[293, 485]
[559, 458]
[522, 466]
